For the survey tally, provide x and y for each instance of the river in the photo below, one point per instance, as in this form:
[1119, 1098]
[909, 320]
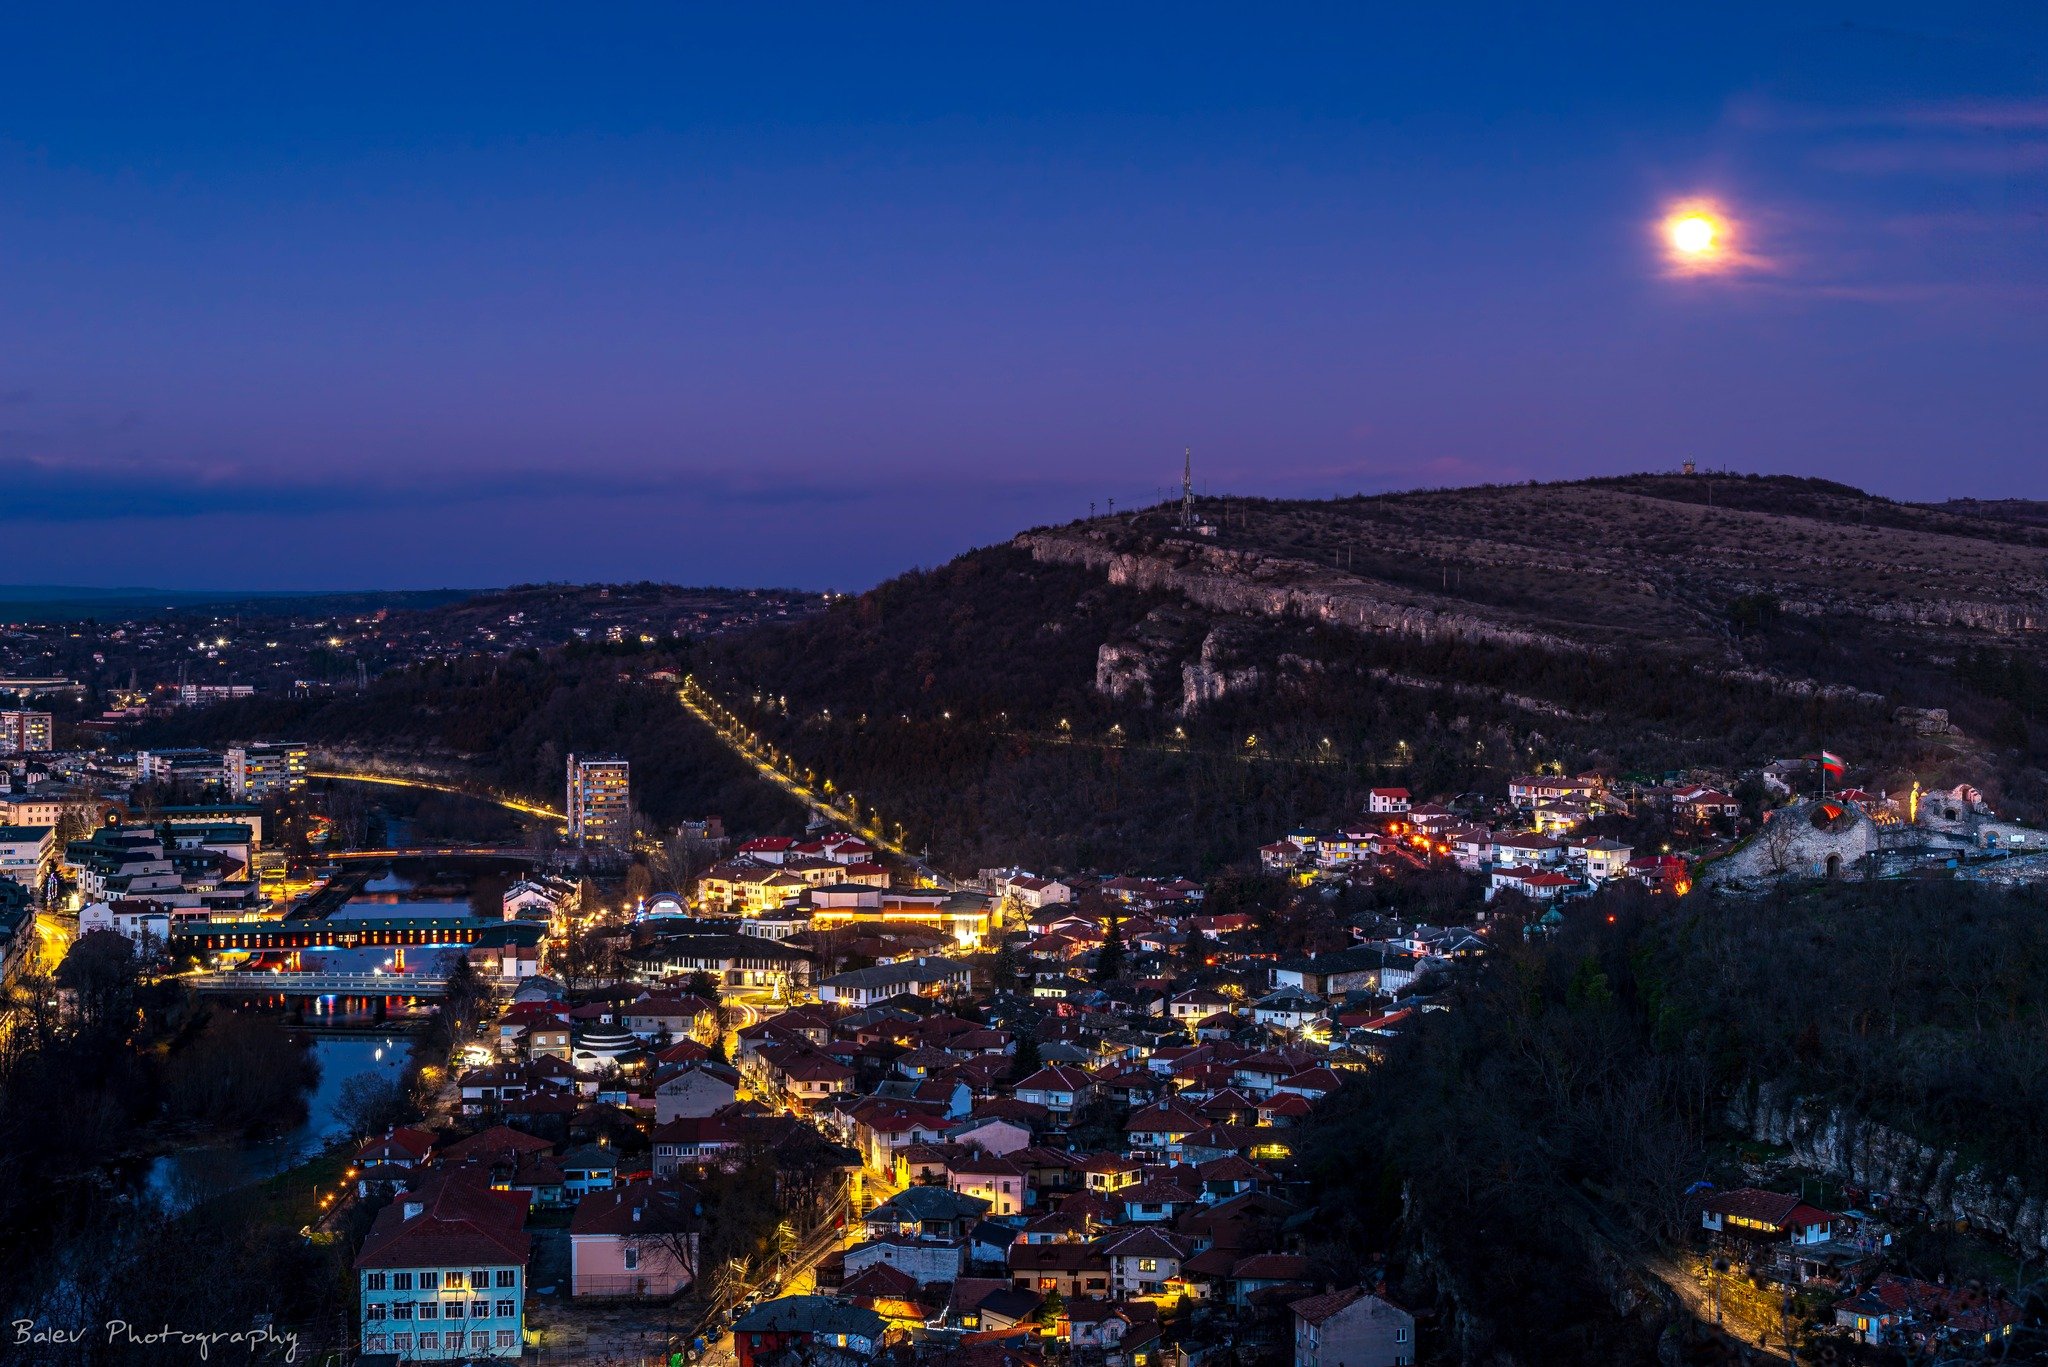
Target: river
[187, 1177]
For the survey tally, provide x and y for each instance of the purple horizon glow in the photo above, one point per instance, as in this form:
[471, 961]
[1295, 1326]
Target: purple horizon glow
[811, 297]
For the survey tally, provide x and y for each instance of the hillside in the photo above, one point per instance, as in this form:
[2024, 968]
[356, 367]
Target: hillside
[1533, 1147]
[1684, 563]
[1119, 691]
[510, 723]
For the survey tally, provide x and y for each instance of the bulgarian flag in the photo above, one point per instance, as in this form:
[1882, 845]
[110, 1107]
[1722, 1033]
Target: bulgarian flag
[1830, 762]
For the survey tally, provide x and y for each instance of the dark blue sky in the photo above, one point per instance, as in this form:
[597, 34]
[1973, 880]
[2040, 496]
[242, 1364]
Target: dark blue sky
[759, 294]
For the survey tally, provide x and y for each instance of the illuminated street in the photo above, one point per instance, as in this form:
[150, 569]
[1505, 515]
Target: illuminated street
[55, 932]
[707, 709]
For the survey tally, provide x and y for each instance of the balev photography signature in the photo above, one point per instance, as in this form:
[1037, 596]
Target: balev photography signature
[26, 1333]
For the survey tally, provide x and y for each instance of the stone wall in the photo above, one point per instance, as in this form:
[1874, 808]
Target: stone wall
[1791, 846]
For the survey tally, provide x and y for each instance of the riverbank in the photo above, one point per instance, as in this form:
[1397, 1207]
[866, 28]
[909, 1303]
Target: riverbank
[186, 1177]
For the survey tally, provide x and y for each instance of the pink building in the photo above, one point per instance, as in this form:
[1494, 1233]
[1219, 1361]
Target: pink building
[636, 1240]
[993, 1179]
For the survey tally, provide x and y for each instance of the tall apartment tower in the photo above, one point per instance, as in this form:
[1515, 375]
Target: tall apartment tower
[22, 732]
[256, 772]
[600, 800]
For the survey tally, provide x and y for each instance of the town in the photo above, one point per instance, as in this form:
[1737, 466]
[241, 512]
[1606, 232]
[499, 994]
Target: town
[779, 1099]
[976, 686]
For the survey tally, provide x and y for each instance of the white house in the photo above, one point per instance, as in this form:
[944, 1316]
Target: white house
[1033, 893]
[145, 923]
[1058, 1088]
[1471, 846]
[1604, 859]
[1527, 850]
[928, 977]
[1541, 884]
[1288, 1008]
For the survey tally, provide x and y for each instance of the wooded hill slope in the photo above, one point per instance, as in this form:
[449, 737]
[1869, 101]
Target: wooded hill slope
[1119, 693]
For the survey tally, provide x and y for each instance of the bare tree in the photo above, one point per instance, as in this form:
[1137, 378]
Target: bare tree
[369, 1103]
[1777, 838]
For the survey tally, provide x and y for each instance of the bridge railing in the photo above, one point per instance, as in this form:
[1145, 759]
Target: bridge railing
[378, 984]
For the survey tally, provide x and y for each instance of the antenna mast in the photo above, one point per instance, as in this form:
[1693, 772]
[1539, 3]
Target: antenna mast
[1187, 489]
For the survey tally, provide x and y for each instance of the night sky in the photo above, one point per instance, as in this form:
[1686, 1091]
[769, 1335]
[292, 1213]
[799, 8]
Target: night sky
[296, 296]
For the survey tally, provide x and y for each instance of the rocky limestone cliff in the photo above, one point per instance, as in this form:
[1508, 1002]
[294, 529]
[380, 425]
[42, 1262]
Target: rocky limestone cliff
[1260, 585]
[1832, 1139]
[1253, 584]
[436, 765]
[1218, 671]
[1129, 670]
[1123, 670]
[2003, 618]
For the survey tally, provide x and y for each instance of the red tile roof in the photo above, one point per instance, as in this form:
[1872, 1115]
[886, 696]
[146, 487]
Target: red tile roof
[663, 1207]
[496, 1142]
[1316, 1309]
[403, 1142]
[460, 1223]
[1769, 1207]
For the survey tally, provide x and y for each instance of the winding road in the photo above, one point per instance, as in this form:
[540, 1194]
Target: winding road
[510, 804]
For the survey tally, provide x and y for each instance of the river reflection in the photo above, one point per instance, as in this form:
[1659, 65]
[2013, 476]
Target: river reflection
[183, 1179]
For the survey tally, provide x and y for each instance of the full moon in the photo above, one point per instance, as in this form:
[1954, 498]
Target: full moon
[1694, 234]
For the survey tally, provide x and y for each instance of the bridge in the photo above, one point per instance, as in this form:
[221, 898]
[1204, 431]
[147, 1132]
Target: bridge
[516, 853]
[258, 984]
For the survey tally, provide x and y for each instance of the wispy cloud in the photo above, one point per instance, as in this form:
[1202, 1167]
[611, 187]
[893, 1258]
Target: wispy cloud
[47, 487]
[1907, 202]
[1968, 159]
[1767, 114]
